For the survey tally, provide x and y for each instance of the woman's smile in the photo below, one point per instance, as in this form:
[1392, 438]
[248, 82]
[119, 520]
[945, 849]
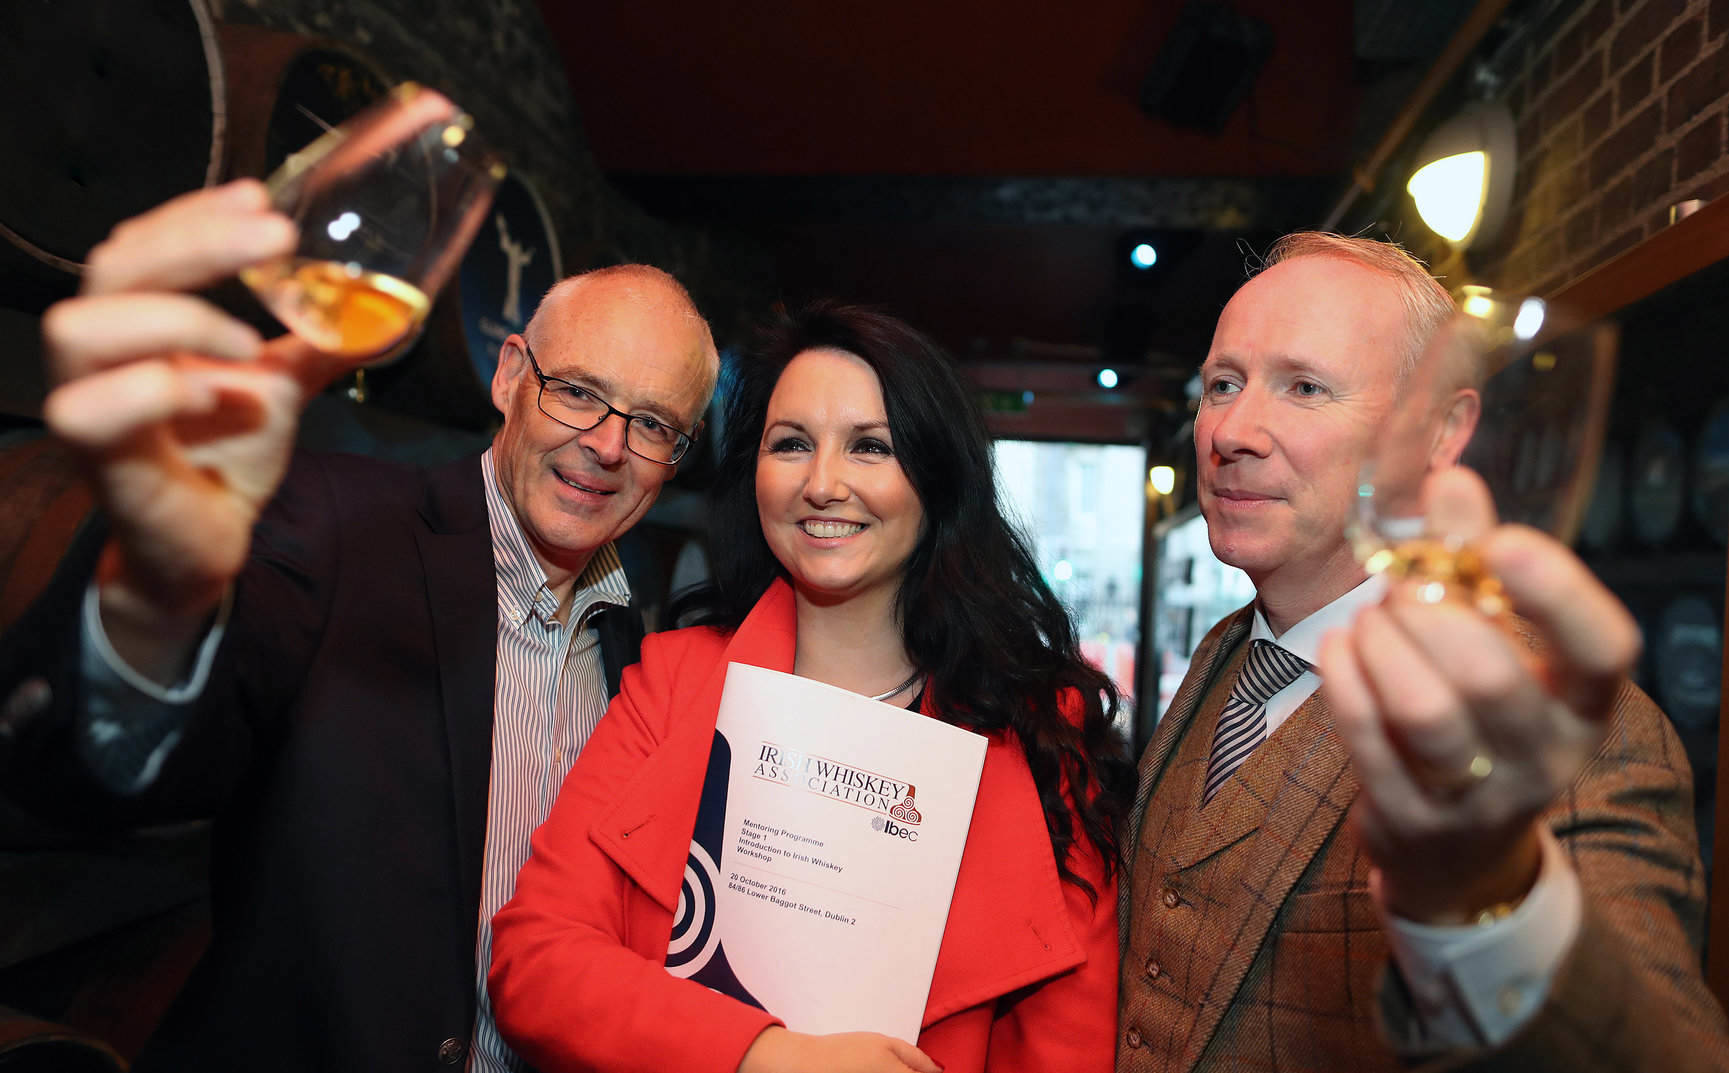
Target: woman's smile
[836, 507]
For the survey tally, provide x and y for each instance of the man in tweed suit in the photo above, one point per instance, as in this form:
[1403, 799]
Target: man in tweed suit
[1464, 847]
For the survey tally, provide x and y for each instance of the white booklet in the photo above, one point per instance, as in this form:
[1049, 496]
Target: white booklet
[825, 854]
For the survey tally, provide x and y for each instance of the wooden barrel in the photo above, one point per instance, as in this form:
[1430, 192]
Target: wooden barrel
[45, 502]
[1657, 483]
[1687, 653]
[111, 108]
[514, 259]
[114, 108]
[1710, 493]
[28, 1045]
[286, 89]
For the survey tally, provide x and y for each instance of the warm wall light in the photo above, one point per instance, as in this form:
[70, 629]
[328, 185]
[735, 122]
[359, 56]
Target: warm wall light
[1523, 321]
[1464, 178]
[1477, 301]
[1163, 479]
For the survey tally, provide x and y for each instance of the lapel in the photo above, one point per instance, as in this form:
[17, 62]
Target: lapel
[1241, 803]
[1247, 850]
[1284, 809]
[455, 546]
[1204, 667]
[1304, 760]
[648, 832]
[1008, 925]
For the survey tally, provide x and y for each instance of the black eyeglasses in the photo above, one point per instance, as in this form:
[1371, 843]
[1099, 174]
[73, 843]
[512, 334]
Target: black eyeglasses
[581, 409]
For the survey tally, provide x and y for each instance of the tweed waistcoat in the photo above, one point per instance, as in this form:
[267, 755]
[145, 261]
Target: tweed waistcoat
[1248, 945]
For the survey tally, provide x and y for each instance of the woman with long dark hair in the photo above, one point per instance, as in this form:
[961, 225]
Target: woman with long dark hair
[857, 540]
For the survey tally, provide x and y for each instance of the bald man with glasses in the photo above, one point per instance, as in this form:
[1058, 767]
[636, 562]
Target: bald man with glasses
[373, 677]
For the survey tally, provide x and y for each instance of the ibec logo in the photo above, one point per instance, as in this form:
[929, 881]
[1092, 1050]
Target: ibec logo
[893, 829]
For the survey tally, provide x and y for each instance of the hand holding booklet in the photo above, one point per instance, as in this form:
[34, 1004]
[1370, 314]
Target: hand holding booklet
[825, 853]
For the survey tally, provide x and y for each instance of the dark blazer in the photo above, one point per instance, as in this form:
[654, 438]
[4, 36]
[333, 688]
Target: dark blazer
[1251, 941]
[344, 746]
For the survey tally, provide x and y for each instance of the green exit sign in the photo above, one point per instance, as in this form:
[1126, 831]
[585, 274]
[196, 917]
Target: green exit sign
[1006, 402]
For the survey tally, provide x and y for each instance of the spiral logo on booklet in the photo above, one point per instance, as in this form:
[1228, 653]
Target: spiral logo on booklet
[891, 800]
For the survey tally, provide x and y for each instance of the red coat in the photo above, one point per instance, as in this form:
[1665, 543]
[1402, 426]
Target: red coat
[578, 977]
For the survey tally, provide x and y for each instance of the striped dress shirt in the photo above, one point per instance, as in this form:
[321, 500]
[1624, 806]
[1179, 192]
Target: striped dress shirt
[549, 691]
[548, 694]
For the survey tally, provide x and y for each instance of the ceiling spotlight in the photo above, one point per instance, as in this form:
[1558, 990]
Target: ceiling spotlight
[1107, 378]
[1143, 256]
[1464, 178]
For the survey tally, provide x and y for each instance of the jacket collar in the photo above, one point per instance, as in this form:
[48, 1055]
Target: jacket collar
[648, 833]
[455, 550]
[1304, 749]
[1008, 924]
[1204, 667]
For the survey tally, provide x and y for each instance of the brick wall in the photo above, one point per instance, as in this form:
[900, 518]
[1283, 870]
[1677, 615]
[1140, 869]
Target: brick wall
[1620, 108]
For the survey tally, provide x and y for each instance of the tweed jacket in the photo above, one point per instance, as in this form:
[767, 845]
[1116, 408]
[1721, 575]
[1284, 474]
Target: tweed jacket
[1251, 941]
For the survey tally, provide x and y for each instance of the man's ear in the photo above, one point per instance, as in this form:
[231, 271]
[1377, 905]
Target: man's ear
[511, 361]
[1458, 423]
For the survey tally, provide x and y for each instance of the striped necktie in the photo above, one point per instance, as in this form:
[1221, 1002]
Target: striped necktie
[1243, 725]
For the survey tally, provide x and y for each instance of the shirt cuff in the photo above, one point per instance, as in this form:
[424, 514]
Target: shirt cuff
[128, 724]
[1476, 985]
[103, 664]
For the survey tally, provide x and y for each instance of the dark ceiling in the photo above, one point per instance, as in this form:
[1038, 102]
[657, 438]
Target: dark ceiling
[982, 168]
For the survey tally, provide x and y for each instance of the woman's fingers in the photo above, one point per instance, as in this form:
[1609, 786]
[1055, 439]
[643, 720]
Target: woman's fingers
[913, 1057]
[778, 1050]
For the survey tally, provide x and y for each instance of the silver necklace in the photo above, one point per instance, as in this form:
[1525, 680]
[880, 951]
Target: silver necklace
[902, 688]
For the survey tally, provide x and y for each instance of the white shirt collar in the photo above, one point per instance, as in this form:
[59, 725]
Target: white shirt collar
[1304, 639]
[522, 584]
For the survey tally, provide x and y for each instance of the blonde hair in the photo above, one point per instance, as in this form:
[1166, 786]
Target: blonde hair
[1427, 303]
